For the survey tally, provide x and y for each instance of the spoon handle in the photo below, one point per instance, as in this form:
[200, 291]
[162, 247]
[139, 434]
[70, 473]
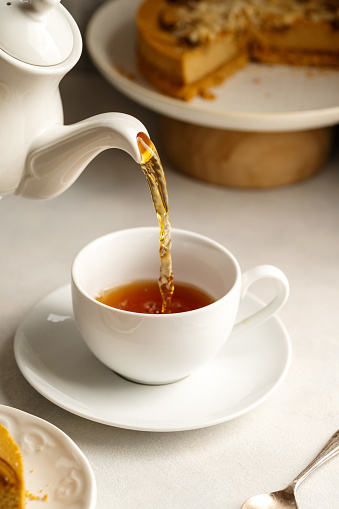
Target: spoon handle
[326, 453]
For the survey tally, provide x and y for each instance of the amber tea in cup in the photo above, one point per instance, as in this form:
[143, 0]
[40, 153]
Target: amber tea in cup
[144, 297]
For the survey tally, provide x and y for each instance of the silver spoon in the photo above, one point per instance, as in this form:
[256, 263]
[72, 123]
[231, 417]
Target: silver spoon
[285, 499]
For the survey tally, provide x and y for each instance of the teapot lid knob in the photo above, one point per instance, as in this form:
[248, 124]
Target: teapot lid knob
[35, 31]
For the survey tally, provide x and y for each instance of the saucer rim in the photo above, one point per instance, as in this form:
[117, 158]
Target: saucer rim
[64, 292]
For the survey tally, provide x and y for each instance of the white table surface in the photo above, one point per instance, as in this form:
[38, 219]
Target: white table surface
[295, 228]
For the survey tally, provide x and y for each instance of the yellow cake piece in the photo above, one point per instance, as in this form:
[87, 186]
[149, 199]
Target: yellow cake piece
[186, 46]
[12, 490]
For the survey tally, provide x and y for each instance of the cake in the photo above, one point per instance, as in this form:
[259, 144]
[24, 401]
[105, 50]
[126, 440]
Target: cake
[12, 491]
[186, 46]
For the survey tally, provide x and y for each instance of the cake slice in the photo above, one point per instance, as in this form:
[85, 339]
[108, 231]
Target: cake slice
[180, 55]
[186, 46]
[296, 32]
[12, 490]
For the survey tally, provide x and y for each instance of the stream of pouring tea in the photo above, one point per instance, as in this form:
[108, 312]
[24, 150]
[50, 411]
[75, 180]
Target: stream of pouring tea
[154, 172]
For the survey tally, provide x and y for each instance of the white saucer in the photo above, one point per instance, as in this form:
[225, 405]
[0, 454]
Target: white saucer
[54, 359]
[258, 98]
[54, 466]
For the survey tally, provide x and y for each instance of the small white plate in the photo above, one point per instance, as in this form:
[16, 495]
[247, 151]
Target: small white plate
[53, 464]
[257, 98]
[54, 359]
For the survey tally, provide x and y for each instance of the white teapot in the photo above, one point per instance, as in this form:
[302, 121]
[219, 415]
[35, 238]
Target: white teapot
[40, 157]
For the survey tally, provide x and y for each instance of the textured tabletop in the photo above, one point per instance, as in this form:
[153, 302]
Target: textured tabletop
[295, 228]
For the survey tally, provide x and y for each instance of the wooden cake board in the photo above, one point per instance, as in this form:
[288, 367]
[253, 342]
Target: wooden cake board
[244, 159]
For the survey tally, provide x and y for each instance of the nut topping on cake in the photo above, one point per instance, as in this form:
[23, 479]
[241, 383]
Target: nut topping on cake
[197, 22]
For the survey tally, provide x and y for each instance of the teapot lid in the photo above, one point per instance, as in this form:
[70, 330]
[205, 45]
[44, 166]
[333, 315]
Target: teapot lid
[35, 31]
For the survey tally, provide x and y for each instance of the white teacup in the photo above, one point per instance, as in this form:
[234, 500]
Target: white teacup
[163, 348]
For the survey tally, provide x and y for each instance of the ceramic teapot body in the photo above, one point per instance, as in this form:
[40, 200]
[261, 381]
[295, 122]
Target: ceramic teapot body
[30, 105]
[39, 156]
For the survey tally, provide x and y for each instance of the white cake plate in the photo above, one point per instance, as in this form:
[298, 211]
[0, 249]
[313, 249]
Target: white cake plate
[258, 98]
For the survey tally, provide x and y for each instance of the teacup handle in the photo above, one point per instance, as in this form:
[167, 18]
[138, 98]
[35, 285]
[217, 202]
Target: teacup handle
[247, 279]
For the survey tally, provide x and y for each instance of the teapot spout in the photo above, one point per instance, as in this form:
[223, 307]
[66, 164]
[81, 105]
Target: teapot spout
[60, 155]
